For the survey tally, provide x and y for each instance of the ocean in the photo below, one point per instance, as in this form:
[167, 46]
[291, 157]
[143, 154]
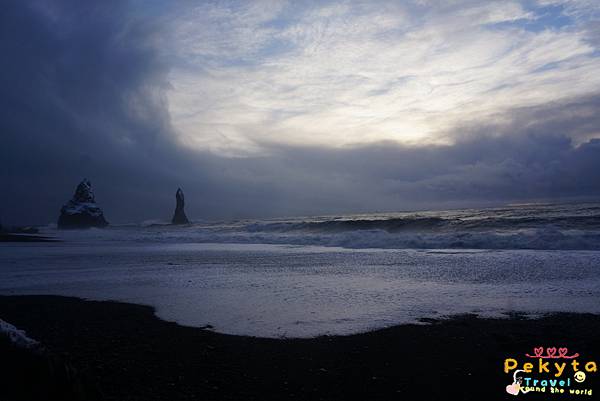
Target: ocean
[327, 275]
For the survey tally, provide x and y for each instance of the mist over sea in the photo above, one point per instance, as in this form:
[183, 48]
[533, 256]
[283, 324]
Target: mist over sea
[342, 274]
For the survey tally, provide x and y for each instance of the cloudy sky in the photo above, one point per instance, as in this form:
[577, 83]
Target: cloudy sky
[273, 108]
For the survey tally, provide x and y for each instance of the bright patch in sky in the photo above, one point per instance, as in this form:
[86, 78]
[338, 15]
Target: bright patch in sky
[249, 75]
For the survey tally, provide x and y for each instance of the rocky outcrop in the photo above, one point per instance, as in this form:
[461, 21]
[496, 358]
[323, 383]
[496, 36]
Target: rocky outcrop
[82, 211]
[179, 217]
[35, 373]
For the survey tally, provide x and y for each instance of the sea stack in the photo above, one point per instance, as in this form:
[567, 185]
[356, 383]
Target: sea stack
[179, 217]
[82, 211]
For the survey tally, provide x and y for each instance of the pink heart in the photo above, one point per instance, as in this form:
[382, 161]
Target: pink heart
[512, 389]
[551, 351]
[562, 351]
[538, 351]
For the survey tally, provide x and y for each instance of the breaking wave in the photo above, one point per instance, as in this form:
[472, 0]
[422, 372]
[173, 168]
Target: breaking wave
[547, 227]
[430, 224]
[572, 226]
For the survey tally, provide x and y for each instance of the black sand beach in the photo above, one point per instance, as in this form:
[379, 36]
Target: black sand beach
[118, 351]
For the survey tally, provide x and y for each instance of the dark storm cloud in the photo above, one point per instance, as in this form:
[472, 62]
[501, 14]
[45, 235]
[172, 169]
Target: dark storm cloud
[83, 95]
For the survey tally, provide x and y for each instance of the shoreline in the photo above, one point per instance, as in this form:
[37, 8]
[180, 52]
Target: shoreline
[125, 352]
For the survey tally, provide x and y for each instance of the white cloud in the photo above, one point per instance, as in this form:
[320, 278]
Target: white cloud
[348, 72]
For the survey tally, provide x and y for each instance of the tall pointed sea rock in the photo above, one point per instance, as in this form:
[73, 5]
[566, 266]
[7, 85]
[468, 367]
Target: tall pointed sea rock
[179, 216]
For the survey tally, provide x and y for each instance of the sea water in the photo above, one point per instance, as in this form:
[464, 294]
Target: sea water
[305, 277]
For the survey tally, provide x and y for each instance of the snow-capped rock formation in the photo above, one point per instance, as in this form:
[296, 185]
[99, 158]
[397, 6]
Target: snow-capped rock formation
[179, 217]
[82, 211]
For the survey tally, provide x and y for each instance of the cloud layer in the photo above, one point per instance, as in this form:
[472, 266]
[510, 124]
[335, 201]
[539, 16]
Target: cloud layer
[265, 109]
[346, 73]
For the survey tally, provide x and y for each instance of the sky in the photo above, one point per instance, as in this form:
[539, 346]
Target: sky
[275, 108]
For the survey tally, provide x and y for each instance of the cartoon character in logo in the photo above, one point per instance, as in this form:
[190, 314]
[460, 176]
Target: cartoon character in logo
[515, 387]
[579, 376]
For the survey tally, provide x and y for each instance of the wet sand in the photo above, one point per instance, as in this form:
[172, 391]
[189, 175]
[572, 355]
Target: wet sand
[118, 351]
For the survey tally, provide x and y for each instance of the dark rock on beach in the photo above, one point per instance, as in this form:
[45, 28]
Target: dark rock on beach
[22, 234]
[179, 216]
[35, 373]
[82, 211]
[18, 230]
[10, 237]
[24, 230]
